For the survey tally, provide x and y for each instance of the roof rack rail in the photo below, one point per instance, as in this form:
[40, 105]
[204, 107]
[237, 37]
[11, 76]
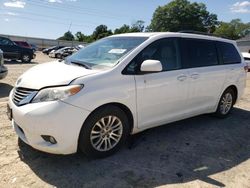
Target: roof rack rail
[201, 33]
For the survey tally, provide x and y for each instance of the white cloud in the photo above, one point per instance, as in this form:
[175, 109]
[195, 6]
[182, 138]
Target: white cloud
[54, 1]
[12, 13]
[241, 7]
[6, 19]
[15, 4]
[60, 1]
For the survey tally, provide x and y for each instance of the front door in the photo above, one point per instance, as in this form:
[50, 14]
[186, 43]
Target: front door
[162, 96]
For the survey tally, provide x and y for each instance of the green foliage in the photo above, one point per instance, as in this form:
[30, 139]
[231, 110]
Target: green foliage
[79, 36]
[175, 16]
[123, 29]
[233, 30]
[101, 31]
[83, 38]
[138, 26]
[183, 15]
[67, 36]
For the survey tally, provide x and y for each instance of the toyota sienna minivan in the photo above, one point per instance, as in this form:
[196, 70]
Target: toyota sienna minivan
[124, 84]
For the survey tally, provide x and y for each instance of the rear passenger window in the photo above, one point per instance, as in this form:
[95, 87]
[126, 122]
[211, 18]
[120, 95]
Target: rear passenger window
[199, 53]
[228, 52]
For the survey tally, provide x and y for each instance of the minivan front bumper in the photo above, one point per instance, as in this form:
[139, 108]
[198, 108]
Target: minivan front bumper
[57, 119]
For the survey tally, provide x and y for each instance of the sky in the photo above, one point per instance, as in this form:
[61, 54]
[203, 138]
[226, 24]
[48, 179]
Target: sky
[52, 18]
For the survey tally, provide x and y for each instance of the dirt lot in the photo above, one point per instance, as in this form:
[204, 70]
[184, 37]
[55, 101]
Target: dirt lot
[199, 152]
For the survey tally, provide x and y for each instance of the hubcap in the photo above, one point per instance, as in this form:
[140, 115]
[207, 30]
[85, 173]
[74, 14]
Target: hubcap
[226, 103]
[106, 133]
[26, 58]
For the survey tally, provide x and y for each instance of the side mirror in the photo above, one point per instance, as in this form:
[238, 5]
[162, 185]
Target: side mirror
[151, 66]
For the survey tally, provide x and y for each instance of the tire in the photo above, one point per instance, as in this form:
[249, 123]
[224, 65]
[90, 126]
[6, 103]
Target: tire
[26, 58]
[58, 56]
[226, 103]
[94, 138]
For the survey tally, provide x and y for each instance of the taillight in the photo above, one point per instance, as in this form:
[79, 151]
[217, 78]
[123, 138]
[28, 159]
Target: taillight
[246, 68]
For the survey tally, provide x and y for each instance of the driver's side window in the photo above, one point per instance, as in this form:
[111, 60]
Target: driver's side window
[164, 50]
[5, 42]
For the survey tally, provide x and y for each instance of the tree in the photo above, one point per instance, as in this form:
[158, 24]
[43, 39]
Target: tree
[67, 36]
[123, 29]
[101, 31]
[138, 26]
[183, 15]
[233, 30]
[80, 36]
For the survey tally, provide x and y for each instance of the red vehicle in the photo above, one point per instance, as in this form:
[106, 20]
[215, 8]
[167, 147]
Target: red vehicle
[23, 44]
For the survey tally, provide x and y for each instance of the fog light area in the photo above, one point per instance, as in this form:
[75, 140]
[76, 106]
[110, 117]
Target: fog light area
[49, 139]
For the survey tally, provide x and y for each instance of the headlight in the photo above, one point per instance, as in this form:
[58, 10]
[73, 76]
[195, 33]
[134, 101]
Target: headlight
[56, 93]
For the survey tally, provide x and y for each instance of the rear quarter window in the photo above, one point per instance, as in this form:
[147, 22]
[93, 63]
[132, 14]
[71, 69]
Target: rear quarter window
[229, 53]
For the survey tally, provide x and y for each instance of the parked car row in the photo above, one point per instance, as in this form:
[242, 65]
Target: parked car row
[61, 51]
[11, 50]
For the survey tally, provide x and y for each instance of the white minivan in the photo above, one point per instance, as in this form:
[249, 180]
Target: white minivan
[124, 84]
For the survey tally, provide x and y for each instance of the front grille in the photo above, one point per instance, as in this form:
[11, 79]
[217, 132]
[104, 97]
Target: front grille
[20, 94]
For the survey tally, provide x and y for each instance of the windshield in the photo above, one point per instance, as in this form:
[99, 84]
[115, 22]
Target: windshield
[105, 53]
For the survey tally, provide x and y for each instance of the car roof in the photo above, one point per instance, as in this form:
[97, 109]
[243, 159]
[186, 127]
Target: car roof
[173, 34]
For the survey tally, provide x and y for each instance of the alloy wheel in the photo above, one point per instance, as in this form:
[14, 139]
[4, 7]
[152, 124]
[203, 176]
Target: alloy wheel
[106, 133]
[226, 103]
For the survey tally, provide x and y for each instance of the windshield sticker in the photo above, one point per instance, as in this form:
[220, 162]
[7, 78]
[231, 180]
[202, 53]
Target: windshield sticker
[117, 51]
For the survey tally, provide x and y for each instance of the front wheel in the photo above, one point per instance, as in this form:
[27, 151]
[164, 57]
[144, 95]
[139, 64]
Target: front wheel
[226, 103]
[104, 132]
[58, 56]
[26, 58]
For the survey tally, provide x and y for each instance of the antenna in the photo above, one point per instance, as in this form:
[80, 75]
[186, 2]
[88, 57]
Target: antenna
[70, 26]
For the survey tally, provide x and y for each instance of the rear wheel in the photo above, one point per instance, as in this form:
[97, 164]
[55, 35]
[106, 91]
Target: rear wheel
[26, 58]
[226, 103]
[104, 132]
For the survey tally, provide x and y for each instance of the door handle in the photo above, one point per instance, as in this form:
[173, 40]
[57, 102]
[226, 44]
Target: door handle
[182, 77]
[195, 76]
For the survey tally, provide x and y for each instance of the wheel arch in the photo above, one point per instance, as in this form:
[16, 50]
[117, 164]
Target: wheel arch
[123, 107]
[234, 88]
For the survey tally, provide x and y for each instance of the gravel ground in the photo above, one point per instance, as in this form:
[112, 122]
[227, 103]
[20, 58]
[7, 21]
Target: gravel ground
[199, 152]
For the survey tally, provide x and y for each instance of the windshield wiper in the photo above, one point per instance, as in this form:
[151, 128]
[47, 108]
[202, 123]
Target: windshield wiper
[82, 64]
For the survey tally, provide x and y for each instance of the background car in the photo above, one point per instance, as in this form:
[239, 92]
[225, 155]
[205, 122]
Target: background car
[48, 50]
[247, 59]
[3, 69]
[12, 51]
[69, 52]
[34, 47]
[23, 44]
[63, 52]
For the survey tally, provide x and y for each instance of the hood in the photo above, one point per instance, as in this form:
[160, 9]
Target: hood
[51, 74]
